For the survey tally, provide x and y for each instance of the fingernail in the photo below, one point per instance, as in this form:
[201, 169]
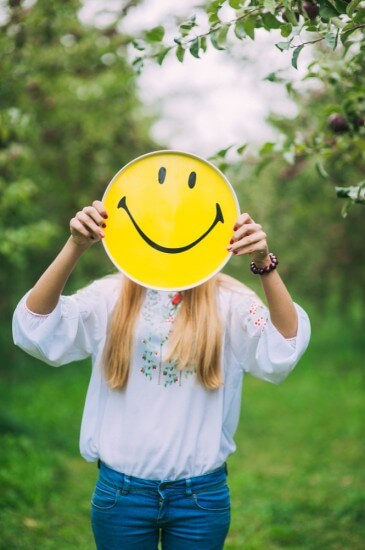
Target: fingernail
[105, 215]
[235, 227]
[229, 248]
[235, 251]
[231, 241]
[101, 234]
[103, 225]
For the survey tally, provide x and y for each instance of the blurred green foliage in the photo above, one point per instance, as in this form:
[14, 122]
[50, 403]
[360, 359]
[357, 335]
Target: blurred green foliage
[296, 478]
[69, 119]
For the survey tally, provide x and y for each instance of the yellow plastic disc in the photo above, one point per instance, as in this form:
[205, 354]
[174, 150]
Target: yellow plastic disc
[170, 218]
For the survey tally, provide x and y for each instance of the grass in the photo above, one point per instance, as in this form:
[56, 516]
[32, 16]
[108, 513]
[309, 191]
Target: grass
[297, 477]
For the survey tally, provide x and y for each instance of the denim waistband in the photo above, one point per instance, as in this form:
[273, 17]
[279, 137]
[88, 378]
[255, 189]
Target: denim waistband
[126, 483]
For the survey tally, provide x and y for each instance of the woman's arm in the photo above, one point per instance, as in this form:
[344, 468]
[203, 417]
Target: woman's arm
[85, 230]
[249, 238]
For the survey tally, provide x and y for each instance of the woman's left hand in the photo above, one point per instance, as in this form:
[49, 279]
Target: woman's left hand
[249, 238]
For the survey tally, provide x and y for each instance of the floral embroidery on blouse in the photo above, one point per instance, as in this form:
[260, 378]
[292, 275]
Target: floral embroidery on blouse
[255, 315]
[152, 365]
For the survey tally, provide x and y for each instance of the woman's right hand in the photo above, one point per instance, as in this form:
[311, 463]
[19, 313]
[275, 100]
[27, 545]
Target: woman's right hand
[88, 224]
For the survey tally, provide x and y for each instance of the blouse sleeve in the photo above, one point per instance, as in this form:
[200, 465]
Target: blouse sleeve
[71, 332]
[258, 346]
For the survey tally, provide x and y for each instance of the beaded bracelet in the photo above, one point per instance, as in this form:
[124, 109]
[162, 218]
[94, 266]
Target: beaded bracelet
[263, 270]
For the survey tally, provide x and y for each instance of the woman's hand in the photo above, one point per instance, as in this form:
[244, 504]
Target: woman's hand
[86, 226]
[249, 238]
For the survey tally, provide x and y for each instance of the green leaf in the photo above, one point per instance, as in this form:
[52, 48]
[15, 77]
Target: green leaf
[326, 10]
[218, 38]
[249, 24]
[341, 6]
[286, 30]
[345, 208]
[283, 46]
[346, 31]
[180, 52]
[352, 7]
[355, 192]
[223, 152]
[321, 169]
[162, 54]
[187, 25]
[273, 77]
[239, 30]
[289, 88]
[214, 20]
[241, 148]
[139, 44]
[291, 17]
[138, 64]
[203, 43]
[215, 6]
[235, 4]
[270, 5]
[222, 35]
[270, 22]
[294, 59]
[156, 34]
[194, 48]
[267, 148]
[331, 39]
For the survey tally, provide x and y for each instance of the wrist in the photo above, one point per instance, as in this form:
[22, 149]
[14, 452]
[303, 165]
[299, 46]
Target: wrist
[266, 268]
[263, 261]
[77, 247]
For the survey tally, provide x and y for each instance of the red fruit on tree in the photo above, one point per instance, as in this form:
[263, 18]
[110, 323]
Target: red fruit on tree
[311, 9]
[338, 123]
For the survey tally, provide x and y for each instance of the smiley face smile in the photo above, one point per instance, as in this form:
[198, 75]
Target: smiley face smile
[168, 250]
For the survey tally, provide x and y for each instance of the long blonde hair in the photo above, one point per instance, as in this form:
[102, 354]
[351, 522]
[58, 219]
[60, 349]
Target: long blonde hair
[196, 337]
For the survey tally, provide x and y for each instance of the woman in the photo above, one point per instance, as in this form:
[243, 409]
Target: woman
[164, 396]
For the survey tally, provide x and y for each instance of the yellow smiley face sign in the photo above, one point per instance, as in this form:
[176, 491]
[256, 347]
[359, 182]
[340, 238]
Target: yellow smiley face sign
[170, 219]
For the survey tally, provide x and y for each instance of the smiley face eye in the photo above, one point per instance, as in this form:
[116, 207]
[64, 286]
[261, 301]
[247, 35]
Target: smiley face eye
[192, 180]
[161, 174]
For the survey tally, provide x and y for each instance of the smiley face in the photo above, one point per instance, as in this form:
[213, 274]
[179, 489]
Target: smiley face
[171, 216]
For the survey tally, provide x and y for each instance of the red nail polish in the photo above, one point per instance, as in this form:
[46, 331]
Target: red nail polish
[105, 215]
[235, 251]
[103, 225]
[235, 227]
[231, 241]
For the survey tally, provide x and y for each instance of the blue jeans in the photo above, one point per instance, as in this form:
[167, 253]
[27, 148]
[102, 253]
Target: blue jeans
[130, 513]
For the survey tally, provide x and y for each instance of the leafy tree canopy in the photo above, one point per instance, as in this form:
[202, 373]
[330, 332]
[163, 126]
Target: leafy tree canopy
[69, 119]
[336, 27]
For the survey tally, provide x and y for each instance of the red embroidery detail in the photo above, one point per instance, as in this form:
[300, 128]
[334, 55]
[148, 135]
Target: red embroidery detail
[176, 299]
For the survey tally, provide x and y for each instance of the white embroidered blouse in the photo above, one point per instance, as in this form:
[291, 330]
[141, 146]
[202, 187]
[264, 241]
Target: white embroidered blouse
[164, 424]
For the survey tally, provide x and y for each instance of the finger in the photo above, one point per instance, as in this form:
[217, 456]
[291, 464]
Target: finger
[242, 218]
[78, 227]
[94, 214]
[89, 224]
[98, 205]
[260, 247]
[246, 229]
[249, 240]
